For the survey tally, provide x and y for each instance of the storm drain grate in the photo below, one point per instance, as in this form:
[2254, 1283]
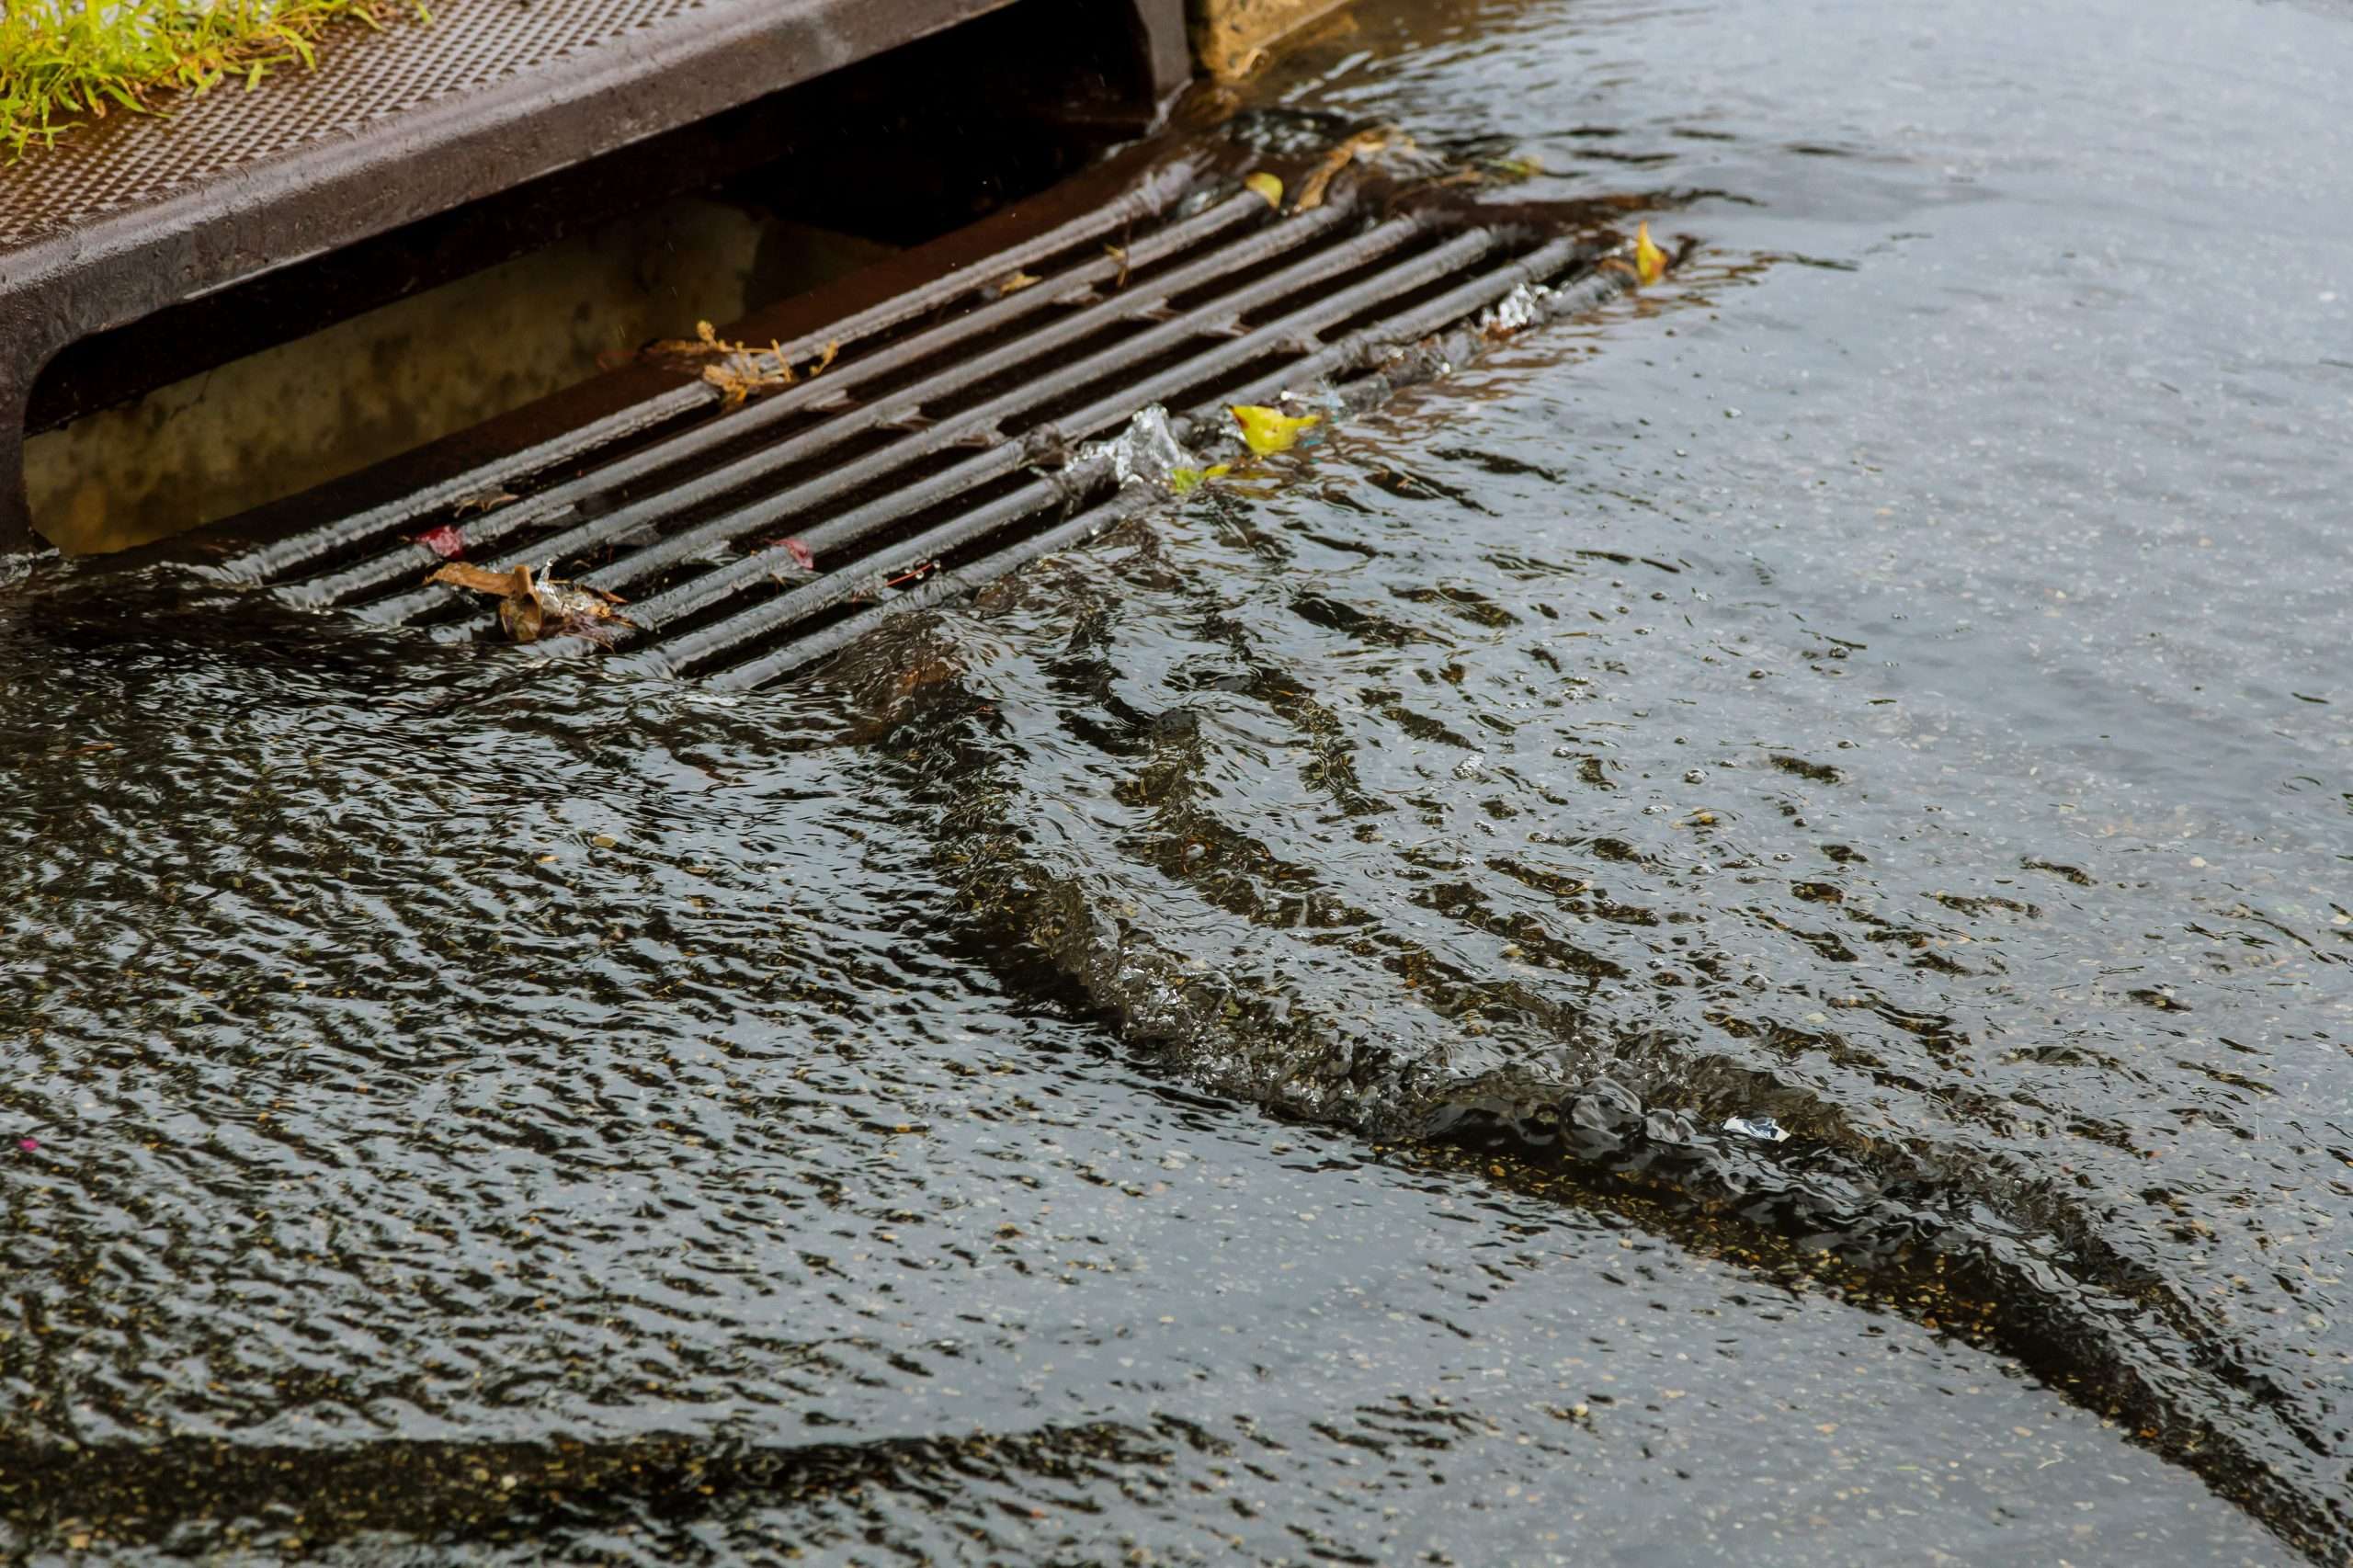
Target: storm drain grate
[944, 443]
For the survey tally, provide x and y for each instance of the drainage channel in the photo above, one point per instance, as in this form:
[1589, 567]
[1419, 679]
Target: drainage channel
[945, 442]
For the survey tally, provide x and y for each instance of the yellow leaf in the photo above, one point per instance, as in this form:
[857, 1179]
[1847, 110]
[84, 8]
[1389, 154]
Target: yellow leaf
[1269, 431]
[1650, 262]
[1268, 186]
[1015, 282]
[1184, 481]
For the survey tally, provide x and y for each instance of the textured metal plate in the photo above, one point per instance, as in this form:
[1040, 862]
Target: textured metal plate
[128, 161]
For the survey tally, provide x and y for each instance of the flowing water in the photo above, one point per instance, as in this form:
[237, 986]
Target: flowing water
[1729, 937]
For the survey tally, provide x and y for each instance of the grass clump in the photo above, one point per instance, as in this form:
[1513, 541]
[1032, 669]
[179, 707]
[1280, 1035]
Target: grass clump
[64, 61]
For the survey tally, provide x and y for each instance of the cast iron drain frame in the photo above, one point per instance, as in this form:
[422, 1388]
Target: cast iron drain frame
[943, 444]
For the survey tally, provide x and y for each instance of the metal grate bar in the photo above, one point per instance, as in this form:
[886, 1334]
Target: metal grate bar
[1008, 455]
[1295, 332]
[763, 620]
[681, 653]
[935, 588]
[983, 420]
[1361, 350]
[906, 406]
[281, 557]
[301, 551]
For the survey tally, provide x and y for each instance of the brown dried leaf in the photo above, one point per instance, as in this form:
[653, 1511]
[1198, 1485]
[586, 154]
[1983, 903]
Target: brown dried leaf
[742, 375]
[482, 500]
[706, 340]
[483, 580]
[521, 615]
[710, 342]
[743, 370]
[1311, 190]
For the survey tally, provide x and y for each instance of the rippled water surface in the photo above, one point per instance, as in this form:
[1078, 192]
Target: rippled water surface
[1223, 1048]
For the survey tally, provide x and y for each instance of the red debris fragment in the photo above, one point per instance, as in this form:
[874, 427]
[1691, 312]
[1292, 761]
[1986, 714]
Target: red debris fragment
[800, 553]
[445, 541]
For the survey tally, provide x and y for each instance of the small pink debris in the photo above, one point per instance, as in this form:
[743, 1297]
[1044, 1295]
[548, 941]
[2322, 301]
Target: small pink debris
[27, 1144]
[800, 556]
[445, 541]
